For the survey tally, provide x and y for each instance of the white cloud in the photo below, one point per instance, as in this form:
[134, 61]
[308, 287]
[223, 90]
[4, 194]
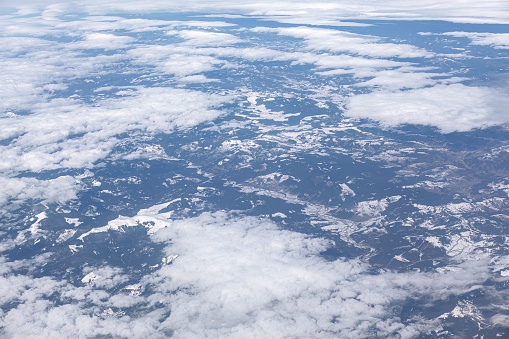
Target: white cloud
[320, 39]
[234, 277]
[12, 46]
[42, 68]
[102, 41]
[302, 18]
[38, 317]
[21, 83]
[68, 134]
[497, 40]
[170, 59]
[467, 11]
[18, 190]
[322, 12]
[402, 78]
[370, 63]
[379, 73]
[244, 277]
[349, 63]
[100, 23]
[198, 78]
[184, 65]
[65, 133]
[188, 57]
[451, 108]
[41, 133]
[106, 277]
[204, 38]
[500, 320]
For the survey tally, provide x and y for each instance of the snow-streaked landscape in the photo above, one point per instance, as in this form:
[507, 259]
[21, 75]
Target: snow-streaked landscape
[239, 169]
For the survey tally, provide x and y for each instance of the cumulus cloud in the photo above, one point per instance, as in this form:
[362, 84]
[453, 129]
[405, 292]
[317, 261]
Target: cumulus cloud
[243, 277]
[197, 78]
[102, 41]
[102, 23]
[204, 38]
[342, 64]
[184, 65]
[69, 134]
[402, 78]
[18, 190]
[34, 68]
[187, 58]
[39, 317]
[64, 133]
[41, 131]
[336, 52]
[321, 39]
[48, 307]
[234, 277]
[497, 40]
[180, 62]
[106, 277]
[450, 108]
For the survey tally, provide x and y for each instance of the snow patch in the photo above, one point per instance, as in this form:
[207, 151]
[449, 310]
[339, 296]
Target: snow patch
[66, 235]
[90, 279]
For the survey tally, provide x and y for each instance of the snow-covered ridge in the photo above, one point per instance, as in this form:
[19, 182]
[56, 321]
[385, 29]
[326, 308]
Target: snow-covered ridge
[149, 217]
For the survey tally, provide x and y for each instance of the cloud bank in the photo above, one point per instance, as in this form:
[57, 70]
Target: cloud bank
[236, 277]
[450, 108]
